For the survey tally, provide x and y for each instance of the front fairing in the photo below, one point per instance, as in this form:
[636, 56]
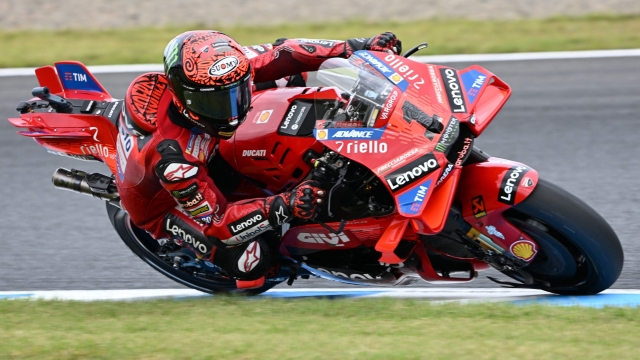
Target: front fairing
[364, 113]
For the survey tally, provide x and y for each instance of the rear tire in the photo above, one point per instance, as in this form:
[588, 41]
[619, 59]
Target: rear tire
[143, 245]
[579, 253]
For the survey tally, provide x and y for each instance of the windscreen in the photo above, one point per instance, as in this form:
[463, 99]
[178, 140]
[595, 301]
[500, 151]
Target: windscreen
[352, 96]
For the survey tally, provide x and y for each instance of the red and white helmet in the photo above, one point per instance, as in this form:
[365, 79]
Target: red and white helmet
[210, 78]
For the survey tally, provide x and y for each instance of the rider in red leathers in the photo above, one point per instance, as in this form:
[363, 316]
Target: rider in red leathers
[169, 131]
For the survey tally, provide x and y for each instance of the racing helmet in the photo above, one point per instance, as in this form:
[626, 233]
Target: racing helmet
[210, 78]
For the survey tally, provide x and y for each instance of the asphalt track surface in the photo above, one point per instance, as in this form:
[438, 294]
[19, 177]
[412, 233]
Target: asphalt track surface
[574, 121]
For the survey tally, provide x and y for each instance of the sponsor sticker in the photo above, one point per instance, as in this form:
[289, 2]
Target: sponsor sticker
[523, 249]
[453, 90]
[362, 147]
[387, 108]
[250, 257]
[223, 66]
[491, 230]
[179, 171]
[412, 200]
[397, 161]
[383, 69]
[326, 239]
[75, 77]
[510, 182]
[477, 207]
[526, 182]
[403, 71]
[449, 135]
[437, 88]
[254, 152]
[183, 193]
[176, 229]
[473, 81]
[247, 227]
[246, 222]
[192, 201]
[412, 172]
[201, 210]
[445, 173]
[263, 116]
[294, 118]
[317, 42]
[352, 134]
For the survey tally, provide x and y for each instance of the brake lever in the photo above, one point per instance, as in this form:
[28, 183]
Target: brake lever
[341, 174]
[415, 49]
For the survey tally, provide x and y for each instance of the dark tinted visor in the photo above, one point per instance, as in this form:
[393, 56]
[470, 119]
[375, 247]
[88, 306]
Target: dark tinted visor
[225, 105]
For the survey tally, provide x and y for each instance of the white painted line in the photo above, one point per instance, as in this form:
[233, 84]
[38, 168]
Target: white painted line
[438, 294]
[555, 55]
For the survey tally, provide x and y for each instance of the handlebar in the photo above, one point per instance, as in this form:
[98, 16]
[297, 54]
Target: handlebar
[57, 102]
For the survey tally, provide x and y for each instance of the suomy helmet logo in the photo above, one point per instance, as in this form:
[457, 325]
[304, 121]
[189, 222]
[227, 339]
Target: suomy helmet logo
[223, 66]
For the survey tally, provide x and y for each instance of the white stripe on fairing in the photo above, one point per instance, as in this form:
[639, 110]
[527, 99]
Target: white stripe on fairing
[492, 294]
[555, 55]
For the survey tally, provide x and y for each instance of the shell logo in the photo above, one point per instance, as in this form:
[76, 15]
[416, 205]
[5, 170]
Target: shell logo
[395, 78]
[264, 116]
[523, 249]
[322, 134]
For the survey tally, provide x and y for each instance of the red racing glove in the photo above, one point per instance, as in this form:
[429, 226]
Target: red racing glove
[383, 42]
[302, 202]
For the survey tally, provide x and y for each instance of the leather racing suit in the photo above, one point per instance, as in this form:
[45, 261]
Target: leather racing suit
[163, 178]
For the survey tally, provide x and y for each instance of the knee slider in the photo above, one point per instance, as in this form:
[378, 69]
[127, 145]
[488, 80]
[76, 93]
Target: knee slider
[247, 261]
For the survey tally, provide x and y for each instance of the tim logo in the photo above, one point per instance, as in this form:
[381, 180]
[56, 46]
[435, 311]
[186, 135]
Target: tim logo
[69, 76]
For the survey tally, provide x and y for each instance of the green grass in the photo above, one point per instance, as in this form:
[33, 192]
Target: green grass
[445, 36]
[231, 328]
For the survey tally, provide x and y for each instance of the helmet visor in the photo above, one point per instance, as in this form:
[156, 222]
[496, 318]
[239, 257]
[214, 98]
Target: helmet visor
[224, 105]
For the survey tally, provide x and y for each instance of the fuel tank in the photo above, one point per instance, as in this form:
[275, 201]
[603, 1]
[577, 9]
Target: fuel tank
[275, 145]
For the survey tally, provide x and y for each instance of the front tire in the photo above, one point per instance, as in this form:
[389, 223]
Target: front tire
[579, 253]
[143, 245]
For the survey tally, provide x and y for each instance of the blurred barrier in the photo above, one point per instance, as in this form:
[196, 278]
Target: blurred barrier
[102, 14]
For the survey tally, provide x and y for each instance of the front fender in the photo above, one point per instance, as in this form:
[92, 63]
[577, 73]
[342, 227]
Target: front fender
[489, 188]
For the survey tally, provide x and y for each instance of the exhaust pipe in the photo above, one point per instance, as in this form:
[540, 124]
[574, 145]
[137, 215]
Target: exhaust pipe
[97, 185]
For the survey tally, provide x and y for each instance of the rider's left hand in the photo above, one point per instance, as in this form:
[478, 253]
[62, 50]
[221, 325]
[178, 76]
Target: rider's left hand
[387, 42]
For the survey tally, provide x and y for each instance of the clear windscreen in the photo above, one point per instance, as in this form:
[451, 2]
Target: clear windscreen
[352, 96]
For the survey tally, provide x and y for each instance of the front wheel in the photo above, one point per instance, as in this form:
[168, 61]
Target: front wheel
[148, 249]
[579, 253]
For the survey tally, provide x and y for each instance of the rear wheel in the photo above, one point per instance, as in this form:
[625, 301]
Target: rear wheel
[149, 250]
[579, 253]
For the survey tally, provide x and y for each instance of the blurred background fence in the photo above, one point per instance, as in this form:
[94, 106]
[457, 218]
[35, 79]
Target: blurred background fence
[104, 14]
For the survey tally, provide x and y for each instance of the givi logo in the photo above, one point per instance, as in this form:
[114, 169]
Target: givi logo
[330, 239]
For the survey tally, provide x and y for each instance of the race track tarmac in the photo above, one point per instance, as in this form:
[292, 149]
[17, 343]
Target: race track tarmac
[575, 121]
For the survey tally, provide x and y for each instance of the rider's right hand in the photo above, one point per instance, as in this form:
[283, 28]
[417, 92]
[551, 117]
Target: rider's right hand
[302, 202]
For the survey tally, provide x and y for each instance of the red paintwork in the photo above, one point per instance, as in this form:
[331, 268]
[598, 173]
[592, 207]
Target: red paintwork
[425, 88]
[484, 180]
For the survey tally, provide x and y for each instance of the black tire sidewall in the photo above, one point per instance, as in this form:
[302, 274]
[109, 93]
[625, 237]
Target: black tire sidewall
[584, 228]
[121, 223]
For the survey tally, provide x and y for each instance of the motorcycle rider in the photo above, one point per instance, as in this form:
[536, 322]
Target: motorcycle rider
[169, 131]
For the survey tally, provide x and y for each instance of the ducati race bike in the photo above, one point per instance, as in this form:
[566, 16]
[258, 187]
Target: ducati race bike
[410, 198]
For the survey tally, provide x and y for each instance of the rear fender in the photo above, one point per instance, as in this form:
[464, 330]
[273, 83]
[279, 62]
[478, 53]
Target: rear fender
[487, 190]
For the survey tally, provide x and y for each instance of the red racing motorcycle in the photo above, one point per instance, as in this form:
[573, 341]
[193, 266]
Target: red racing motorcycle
[410, 197]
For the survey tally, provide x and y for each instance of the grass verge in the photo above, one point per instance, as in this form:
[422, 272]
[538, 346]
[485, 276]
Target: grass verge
[231, 328]
[445, 36]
